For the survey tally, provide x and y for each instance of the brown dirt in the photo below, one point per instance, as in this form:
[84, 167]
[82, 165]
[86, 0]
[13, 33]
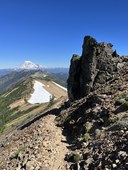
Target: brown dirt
[53, 89]
[49, 86]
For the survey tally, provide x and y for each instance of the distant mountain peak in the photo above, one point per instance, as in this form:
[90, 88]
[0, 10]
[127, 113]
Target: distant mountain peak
[29, 65]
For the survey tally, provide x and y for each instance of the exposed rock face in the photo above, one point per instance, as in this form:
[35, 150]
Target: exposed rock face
[95, 67]
[97, 122]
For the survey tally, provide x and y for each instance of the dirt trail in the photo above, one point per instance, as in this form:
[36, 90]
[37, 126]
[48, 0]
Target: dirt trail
[54, 149]
[40, 146]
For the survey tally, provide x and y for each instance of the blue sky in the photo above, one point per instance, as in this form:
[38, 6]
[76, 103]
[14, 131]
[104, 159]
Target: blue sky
[48, 32]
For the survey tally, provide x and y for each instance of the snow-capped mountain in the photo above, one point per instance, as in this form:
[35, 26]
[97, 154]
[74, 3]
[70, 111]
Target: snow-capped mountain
[28, 65]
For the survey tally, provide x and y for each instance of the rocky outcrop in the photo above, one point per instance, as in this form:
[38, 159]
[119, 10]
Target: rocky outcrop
[96, 119]
[97, 124]
[97, 65]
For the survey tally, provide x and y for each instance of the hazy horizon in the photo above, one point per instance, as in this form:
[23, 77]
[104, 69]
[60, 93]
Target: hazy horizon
[43, 66]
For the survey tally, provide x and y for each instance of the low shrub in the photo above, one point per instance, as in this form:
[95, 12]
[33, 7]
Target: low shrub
[86, 137]
[73, 157]
[120, 101]
[126, 104]
[113, 119]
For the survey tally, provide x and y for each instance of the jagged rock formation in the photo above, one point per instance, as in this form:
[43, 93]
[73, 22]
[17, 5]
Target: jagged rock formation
[96, 120]
[97, 65]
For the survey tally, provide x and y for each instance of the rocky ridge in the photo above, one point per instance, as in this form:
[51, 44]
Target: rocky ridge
[97, 118]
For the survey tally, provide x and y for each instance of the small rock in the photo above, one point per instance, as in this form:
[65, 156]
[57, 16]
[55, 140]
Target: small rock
[114, 165]
[97, 133]
[122, 154]
[29, 165]
[117, 161]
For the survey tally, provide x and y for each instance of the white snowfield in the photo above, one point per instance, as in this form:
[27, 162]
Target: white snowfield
[60, 86]
[40, 95]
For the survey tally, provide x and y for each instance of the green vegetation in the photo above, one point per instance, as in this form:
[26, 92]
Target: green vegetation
[123, 124]
[76, 158]
[113, 119]
[24, 120]
[86, 137]
[20, 113]
[87, 127]
[17, 152]
[2, 127]
[2, 122]
[126, 104]
[122, 99]
[10, 80]
[52, 100]
[123, 95]
[46, 79]
[73, 157]
[19, 91]
[60, 78]
[13, 114]
[7, 114]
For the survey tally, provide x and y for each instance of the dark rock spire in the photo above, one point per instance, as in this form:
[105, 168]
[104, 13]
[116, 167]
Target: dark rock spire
[95, 67]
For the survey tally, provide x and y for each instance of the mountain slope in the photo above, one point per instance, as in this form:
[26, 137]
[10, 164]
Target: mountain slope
[19, 114]
[14, 77]
[11, 79]
[15, 107]
[4, 72]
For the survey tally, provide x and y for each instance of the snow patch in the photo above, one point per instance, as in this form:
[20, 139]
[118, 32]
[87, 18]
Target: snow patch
[44, 75]
[40, 95]
[60, 86]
